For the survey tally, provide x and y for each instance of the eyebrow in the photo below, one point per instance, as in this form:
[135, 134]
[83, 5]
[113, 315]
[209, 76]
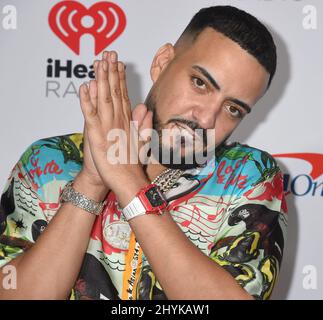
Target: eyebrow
[241, 104]
[207, 75]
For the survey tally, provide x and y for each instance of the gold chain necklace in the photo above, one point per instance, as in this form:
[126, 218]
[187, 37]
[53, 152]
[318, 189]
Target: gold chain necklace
[166, 180]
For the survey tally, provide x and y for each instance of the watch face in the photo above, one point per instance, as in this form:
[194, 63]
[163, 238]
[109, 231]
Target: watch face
[154, 196]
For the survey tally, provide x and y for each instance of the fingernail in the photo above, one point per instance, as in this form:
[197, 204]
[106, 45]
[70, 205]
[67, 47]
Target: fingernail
[120, 66]
[105, 54]
[113, 56]
[85, 88]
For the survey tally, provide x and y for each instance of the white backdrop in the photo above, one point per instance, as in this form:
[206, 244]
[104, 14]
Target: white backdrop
[288, 121]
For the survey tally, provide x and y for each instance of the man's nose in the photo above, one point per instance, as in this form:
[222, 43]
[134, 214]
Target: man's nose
[206, 115]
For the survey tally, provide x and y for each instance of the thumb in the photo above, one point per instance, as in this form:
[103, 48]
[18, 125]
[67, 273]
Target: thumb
[145, 121]
[138, 113]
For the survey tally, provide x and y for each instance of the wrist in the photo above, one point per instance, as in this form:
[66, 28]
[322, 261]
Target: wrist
[130, 189]
[149, 200]
[84, 184]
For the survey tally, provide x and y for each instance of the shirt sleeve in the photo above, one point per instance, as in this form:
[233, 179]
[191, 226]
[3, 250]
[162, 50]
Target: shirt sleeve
[21, 218]
[30, 197]
[250, 241]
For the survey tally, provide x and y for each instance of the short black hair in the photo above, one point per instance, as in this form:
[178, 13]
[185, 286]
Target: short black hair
[242, 28]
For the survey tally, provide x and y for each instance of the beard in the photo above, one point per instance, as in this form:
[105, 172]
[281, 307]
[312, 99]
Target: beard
[168, 155]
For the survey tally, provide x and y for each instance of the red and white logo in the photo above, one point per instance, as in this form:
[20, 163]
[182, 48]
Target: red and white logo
[305, 179]
[314, 159]
[69, 20]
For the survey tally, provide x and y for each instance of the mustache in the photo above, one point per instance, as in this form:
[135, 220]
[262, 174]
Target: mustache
[193, 125]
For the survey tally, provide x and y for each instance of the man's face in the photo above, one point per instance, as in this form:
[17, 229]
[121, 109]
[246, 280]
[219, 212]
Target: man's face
[209, 85]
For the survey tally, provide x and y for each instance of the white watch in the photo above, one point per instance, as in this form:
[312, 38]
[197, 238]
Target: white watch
[148, 200]
[134, 209]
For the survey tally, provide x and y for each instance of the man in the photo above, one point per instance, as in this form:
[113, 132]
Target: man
[203, 231]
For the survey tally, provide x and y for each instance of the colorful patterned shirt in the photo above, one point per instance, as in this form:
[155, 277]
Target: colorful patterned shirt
[233, 209]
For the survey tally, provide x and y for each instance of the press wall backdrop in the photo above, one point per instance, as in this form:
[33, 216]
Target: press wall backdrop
[44, 58]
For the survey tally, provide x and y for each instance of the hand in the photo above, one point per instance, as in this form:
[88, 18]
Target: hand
[106, 106]
[89, 171]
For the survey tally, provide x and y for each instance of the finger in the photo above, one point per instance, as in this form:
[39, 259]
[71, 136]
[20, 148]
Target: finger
[93, 129]
[106, 55]
[88, 110]
[138, 113]
[114, 81]
[93, 90]
[95, 67]
[145, 130]
[145, 134]
[105, 103]
[124, 90]
[147, 122]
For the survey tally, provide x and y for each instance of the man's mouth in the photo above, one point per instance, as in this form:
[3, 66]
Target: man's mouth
[186, 131]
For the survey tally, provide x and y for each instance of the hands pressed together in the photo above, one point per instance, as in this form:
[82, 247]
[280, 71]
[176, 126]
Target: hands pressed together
[105, 105]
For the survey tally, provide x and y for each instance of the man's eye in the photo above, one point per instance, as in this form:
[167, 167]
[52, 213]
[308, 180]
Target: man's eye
[234, 111]
[199, 83]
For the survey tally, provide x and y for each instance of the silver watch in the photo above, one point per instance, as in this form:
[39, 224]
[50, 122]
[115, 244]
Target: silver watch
[69, 194]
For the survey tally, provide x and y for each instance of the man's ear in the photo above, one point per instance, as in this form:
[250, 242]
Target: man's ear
[162, 58]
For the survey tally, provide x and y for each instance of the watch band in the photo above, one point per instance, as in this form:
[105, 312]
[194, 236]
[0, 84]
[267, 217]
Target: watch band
[148, 200]
[69, 194]
[133, 209]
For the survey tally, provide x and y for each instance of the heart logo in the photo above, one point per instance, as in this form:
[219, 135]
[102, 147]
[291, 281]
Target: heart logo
[69, 20]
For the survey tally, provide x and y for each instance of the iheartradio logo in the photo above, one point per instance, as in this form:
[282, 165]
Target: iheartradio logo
[69, 20]
[305, 180]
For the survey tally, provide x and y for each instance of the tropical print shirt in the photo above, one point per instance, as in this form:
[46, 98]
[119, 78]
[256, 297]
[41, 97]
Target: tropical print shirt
[233, 209]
